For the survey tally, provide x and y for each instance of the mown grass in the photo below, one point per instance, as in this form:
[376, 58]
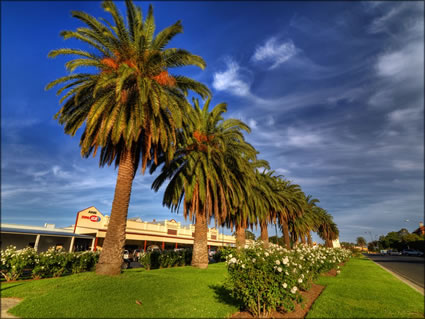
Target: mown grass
[176, 292]
[364, 290]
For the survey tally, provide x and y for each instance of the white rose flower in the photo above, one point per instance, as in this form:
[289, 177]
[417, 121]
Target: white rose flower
[294, 290]
[286, 273]
[277, 262]
[300, 280]
[267, 254]
[284, 285]
[254, 260]
[279, 269]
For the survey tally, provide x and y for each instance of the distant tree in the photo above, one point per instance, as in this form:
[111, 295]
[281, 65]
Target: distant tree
[249, 235]
[373, 245]
[361, 241]
[277, 240]
[402, 232]
[346, 244]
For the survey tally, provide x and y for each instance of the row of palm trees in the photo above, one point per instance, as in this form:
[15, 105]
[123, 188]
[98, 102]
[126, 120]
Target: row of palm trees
[137, 113]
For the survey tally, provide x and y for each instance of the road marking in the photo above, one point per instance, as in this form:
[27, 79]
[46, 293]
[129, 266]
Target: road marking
[402, 278]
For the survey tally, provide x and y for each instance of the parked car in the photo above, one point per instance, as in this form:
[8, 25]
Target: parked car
[384, 251]
[154, 248]
[394, 252]
[412, 252]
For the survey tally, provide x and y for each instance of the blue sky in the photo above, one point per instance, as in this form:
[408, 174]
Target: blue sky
[333, 93]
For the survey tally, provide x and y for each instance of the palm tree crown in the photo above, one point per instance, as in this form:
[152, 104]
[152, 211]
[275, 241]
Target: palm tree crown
[131, 102]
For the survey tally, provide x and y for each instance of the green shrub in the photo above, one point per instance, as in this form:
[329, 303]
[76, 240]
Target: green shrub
[264, 280]
[14, 262]
[52, 263]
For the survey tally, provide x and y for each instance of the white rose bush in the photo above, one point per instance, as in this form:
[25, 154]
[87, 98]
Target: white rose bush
[265, 280]
[52, 263]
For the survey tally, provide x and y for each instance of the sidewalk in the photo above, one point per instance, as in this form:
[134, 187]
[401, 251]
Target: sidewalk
[6, 304]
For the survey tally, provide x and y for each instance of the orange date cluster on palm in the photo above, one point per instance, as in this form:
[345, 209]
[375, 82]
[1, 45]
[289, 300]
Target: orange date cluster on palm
[202, 142]
[163, 78]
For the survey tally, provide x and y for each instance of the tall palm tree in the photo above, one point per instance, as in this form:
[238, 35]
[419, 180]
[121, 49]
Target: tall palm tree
[267, 202]
[291, 206]
[248, 203]
[311, 203]
[200, 175]
[300, 227]
[327, 229]
[131, 105]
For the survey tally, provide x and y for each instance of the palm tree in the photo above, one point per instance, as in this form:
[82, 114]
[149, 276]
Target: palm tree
[300, 227]
[267, 203]
[311, 203]
[327, 229]
[200, 175]
[291, 206]
[249, 205]
[361, 241]
[131, 105]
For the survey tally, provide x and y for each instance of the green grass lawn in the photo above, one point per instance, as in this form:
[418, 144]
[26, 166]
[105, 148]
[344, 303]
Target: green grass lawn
[364, 290]
[175, 292]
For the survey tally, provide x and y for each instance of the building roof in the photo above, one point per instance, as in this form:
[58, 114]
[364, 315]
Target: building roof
[17, 230]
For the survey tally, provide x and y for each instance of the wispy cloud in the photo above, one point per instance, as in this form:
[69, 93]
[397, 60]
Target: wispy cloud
[233, 80]
[275, 52]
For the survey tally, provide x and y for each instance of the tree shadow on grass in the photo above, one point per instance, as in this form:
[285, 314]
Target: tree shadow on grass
[223, 295]
[11, 286]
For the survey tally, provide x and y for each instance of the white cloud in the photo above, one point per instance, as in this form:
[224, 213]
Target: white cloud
[381, 99]
[282, 171]
[406, 165]
[252, 124]
[301, 138]
[275, 52]
[402, 64]
[406, 116]
[232, 80]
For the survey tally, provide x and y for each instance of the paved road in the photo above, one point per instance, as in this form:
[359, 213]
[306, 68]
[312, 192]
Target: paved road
[411, 268]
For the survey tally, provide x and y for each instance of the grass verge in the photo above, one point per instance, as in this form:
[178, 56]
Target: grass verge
[175, 292]
[364, 290]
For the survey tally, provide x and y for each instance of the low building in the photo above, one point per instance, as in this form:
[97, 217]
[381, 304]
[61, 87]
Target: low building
[167, 234]
[89, 231]
[42, 238]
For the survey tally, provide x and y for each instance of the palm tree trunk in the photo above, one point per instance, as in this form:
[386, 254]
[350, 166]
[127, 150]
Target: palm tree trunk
[111, 258]
[329, 243]
[295, 242]
[309, 240]
[302, 239]
[285, 231]
[240, 237]
[264, 234]
[200, 242]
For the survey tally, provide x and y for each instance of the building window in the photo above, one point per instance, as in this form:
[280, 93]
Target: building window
[172, 232]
